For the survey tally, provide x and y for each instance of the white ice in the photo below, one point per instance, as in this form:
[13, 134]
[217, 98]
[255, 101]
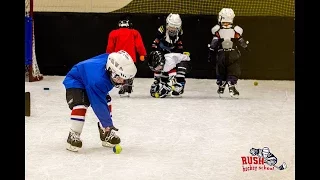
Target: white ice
[196, 137]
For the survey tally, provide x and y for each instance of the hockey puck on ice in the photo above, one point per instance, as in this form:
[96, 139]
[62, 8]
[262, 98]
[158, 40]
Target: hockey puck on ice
[45, 88]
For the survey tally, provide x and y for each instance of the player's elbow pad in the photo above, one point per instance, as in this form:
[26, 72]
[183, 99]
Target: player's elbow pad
[243, 43]
[214, 43]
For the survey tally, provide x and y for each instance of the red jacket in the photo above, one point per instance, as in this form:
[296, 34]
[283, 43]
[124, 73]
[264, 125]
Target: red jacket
[126, 39]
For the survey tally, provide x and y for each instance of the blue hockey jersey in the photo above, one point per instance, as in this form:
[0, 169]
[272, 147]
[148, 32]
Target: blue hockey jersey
[92, 76]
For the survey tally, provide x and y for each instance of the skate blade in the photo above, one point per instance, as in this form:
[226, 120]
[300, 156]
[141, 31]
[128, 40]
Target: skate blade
[124, 95]
[72, 148]
[176, 96]
[107, 144]
[234, 96]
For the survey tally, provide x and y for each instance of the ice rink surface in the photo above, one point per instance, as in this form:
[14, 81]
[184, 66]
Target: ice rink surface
[196, 137]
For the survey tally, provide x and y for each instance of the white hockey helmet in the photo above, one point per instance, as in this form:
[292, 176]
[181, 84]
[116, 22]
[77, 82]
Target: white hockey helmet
[121, 64]
[226, 15]
[173, 24]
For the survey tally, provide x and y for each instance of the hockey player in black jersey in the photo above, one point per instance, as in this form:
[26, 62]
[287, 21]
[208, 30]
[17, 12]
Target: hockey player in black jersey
[225, 42]
[168, 59]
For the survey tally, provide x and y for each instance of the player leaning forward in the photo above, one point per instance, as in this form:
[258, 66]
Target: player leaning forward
[168, 60]
[226, 37]
[88, 83]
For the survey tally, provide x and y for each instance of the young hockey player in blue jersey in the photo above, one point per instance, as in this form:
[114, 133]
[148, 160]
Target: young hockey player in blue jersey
[88, 83]
[226, 37]
[168, 59]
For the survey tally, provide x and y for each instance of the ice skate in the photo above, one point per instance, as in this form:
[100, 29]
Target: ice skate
[122, 92]
[74, 141]
[233, 91]
[155, 87]
[165, 90]
[108, 136]
[220, 90]
[177, 89]
[125, 94]
[221, 87]
[125, 91]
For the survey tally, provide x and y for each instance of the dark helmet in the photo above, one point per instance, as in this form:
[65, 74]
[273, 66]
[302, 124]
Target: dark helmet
[156, 61]
[125, 23]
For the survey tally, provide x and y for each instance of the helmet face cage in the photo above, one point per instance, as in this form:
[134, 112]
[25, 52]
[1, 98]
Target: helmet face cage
[114, 77]
[156, 61]
[172, 31]
[173, 24]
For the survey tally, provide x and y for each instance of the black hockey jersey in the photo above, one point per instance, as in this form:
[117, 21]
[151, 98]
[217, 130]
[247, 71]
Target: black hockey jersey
[166, 43]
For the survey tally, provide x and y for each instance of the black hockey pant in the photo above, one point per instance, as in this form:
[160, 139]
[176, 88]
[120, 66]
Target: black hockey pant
[228, 67]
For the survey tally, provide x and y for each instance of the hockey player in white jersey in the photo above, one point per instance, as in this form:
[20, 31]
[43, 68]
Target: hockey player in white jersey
[226, 38]
[168, 60]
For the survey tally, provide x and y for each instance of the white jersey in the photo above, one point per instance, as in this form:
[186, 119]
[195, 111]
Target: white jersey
[172, 59]
[227, 34]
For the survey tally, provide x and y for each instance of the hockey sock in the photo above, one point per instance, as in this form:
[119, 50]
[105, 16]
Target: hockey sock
[77, 118]
[172, 73]
[157, 76]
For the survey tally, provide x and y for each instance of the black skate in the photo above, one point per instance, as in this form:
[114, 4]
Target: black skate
[125, 90]
[74, 141]
[122, 92]
[220, 90]
[233, 91]
[154, 88]
[164, 90]
[221, 87]
[177, 89]
[109, 137]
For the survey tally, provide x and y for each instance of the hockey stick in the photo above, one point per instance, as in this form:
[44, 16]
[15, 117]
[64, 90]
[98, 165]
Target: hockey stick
[282, 166]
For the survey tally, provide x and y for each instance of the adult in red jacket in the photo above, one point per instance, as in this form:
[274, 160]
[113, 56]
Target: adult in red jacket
[128, 39]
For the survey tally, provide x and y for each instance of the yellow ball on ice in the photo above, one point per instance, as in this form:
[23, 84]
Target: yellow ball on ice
[117, 149]
[156, 95]
[255, 83]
